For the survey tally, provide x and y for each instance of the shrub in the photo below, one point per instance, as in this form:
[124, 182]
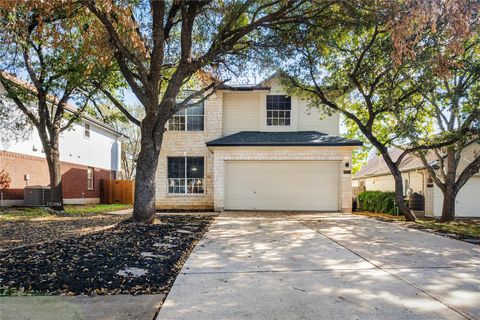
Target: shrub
[5, 180]
[377, 201]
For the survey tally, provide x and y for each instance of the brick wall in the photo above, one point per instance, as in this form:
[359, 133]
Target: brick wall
[74, 176]
[12, 194]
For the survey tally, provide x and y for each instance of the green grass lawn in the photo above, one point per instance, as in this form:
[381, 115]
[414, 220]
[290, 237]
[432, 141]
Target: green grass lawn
[463, 228]
[73, 210]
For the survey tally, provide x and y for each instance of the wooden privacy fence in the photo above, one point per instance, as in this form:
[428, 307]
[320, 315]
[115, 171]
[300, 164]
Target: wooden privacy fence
[117, 191]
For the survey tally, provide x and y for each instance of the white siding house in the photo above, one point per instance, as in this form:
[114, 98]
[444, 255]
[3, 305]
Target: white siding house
[89, 145]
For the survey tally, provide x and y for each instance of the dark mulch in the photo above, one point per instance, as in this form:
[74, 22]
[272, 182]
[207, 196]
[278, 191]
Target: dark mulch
[103, 262]
[23, 232]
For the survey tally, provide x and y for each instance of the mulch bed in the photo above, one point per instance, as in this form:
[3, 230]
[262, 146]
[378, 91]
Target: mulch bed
[469, 239]
[24, 232]
[127, 259]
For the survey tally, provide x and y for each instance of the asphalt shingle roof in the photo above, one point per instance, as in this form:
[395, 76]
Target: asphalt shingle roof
[376, 166]
[242, 87]
[296, 138]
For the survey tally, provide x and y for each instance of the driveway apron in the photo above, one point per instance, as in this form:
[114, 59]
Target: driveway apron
[274, 265]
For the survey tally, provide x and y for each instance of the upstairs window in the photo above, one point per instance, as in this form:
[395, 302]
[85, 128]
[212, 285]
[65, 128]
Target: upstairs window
[86, 132]
[185, 175]
[278, 110]
[190, 119]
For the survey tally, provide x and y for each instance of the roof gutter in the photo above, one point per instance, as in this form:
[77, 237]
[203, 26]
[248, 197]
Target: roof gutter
[283, 145]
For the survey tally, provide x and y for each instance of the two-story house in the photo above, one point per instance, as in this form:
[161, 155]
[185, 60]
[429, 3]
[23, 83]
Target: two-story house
[252, 147]
[89, 152]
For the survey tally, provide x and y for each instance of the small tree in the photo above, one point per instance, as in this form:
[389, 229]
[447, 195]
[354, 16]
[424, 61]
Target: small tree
[42, 41]
[131, 133]
[130, 146]
[5, 179]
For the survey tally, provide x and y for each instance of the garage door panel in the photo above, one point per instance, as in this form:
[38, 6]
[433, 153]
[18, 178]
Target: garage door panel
[282, 185]
[468, 199]
[467, 202]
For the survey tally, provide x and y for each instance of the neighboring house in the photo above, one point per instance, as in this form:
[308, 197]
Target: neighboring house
[252, 147]
[89, 152]
[375, 175]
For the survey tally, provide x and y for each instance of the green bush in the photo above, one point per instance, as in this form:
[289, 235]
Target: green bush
[377, 201]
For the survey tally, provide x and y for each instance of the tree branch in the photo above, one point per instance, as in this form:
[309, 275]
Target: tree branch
[6, 83]
[472, 169]
[117, 103]
[185, 103]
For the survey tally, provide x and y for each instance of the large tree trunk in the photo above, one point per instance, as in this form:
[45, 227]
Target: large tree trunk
[146, 171]
[402, 206]
[54, 169]
[449, 194]
[50, 145]
[397, 177]
[448, 207]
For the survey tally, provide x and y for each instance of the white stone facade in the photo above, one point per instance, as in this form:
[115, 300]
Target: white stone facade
[217, 108]
[190, 144]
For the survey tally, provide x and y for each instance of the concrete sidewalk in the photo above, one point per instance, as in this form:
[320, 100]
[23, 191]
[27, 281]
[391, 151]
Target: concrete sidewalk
[115, 307]
[324, 266]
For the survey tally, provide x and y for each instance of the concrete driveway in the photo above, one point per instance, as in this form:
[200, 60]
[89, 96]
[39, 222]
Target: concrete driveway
[324, 266]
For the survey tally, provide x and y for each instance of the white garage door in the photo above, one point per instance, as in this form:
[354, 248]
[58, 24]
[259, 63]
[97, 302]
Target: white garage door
[468, 199]
[467, 203]
[282, 185]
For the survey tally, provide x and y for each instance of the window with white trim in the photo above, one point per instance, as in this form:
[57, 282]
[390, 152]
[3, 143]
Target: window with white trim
[190, 119]
[279, 109]
[185, 175]
[86, 132]
[90, 178]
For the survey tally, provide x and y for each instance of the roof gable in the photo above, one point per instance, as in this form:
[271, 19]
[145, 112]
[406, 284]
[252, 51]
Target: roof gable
[377, 166]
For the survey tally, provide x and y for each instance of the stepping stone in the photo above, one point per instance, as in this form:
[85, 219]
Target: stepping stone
[132, 272]
[151, 255]
[164, 245]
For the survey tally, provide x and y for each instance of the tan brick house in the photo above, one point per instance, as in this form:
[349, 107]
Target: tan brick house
[252, 147]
